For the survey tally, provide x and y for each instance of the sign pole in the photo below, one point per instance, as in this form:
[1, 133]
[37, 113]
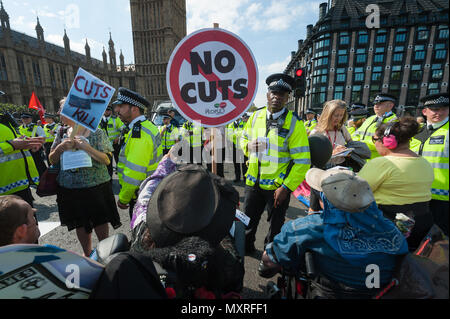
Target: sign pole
[213, 142]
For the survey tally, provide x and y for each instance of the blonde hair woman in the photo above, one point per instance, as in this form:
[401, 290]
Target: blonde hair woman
[331, 124]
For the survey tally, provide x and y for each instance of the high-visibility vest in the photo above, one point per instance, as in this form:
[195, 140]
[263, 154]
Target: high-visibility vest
[310, 125]
[138, 158]
[234, 132]
[436, 151]
[17, 168]
[49, 137]
[114, 127]
[365, 132]
[192, 133]
[288, 158]
[169, 137]
[29, 131]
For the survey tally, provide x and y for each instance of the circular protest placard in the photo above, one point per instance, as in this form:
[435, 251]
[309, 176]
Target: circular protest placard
[212, 77]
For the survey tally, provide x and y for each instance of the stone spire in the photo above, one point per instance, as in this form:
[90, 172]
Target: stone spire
[112, 52]
[39, 31]
[4, 17]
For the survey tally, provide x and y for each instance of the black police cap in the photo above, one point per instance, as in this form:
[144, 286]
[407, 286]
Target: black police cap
[310, 112]
[359, 113]
[126, 96]
[382, 97]
[280, 82]
[25, 115]
[49, 115]
[435, 100]
[358, 105]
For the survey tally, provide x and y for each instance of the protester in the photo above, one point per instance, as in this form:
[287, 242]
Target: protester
[400, 179]
[347, 236]
[383, 105]
[18, 224]
[276, 143]
[432, 142]
[331, 124]
[85, 198]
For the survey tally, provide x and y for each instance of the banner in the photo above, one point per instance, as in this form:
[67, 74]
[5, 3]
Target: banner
[36, 105]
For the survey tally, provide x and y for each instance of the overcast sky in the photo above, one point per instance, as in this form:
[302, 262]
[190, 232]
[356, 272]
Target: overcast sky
[271, 28]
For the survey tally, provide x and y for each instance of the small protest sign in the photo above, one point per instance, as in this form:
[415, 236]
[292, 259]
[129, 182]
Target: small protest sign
[87, 100]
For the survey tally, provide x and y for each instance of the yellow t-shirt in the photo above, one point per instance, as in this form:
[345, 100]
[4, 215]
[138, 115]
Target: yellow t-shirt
[399, 180]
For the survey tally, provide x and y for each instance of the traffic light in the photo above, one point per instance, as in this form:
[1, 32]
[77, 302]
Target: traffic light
[300, 82]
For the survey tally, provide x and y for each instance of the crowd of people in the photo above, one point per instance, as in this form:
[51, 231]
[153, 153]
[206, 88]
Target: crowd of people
[378, 193]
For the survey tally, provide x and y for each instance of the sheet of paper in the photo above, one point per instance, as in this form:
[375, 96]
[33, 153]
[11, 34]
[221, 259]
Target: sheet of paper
[344, 153]
[75, 159]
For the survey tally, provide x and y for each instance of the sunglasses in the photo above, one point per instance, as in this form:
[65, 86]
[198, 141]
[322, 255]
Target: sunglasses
[376, 139]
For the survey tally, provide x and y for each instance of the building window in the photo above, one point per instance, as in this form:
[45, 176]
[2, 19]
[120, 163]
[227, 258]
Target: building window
[396, 72]
[319, 96]
[320, 62]
[36, 73]
[381, 38]
[419, 52]
[356, 93]
[3, 73]
[401, 35]
[443, 32]
[359, 75]
[52, 76]
[379, 55]
[398, 57]
[374, 89]
[322, 44]
[340, 75]
[342, 57]
[422, 33]
[344, 38]
[363, 37]
[412, 95]
[339, 92]
[433, 88]
[361, 56]
[376, 73]
[437, 72]
[440, 51]
[416, 72]
[21, 68]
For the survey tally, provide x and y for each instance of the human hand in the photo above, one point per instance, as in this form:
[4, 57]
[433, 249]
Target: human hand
[256, 146]
[81, 143]
[67, 145]
[34, 143]
[339, 149]
[280, 196]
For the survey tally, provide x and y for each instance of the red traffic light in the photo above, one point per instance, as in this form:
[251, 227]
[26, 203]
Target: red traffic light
[299, 72]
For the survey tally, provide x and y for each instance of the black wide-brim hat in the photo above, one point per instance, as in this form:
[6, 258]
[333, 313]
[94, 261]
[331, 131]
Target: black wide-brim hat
[280, 82]
[435, 100]
[191, 202]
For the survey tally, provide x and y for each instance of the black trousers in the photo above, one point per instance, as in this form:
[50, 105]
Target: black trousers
[439, 209]
[47, 147]
[38, 158]
[239, 167]
[219, 166]
[256, 200]
[116, 152]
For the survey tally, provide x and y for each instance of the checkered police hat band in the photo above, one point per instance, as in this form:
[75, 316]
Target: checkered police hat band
[440, 100]
[384, 98]
[281, 83]
[129, 100]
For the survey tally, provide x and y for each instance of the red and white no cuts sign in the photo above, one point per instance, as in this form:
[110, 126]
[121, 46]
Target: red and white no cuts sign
[212, 77]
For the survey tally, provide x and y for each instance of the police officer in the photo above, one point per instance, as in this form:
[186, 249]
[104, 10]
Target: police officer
[51, 128]
[383, 105]
[112, 126]
[169, 134]
[29, 130]
[432, 142]
[233, 133]
[193, 133]
[276, 142]
[141, 150]
[311, 121]
[357, 118]
[17, 168]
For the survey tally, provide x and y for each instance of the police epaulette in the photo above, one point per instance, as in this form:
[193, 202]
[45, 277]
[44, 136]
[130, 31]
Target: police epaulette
[296, 116]
[136, 133]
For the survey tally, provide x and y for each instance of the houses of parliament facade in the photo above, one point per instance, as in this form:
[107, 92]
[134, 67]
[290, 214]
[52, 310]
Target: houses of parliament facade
[30, 64]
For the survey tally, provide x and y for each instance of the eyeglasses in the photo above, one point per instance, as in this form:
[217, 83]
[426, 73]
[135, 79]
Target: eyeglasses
[375, 139]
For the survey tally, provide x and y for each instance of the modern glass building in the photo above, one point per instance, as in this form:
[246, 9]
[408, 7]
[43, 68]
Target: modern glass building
[348, 55]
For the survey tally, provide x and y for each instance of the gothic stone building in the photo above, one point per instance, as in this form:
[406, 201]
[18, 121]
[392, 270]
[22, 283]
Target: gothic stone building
[407, 55]
[30, 64]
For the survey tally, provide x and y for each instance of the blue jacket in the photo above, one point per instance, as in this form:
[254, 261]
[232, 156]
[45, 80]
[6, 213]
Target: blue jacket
[343, 244]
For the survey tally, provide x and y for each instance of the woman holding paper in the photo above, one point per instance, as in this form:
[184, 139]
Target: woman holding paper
[331, 124]
[85, 198]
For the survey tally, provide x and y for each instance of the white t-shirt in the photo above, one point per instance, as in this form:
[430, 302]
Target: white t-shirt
[340, 137]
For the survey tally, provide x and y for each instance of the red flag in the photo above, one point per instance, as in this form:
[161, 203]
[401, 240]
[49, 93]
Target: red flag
[35, 104]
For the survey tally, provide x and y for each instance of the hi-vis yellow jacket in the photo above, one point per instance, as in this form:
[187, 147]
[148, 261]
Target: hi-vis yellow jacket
[436, 151]
[17, 168]
[287, 159]
[365, 132]
[138, 158]
[193, 133]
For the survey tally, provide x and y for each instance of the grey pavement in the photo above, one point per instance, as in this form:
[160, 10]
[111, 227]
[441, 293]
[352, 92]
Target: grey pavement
[253, 284]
